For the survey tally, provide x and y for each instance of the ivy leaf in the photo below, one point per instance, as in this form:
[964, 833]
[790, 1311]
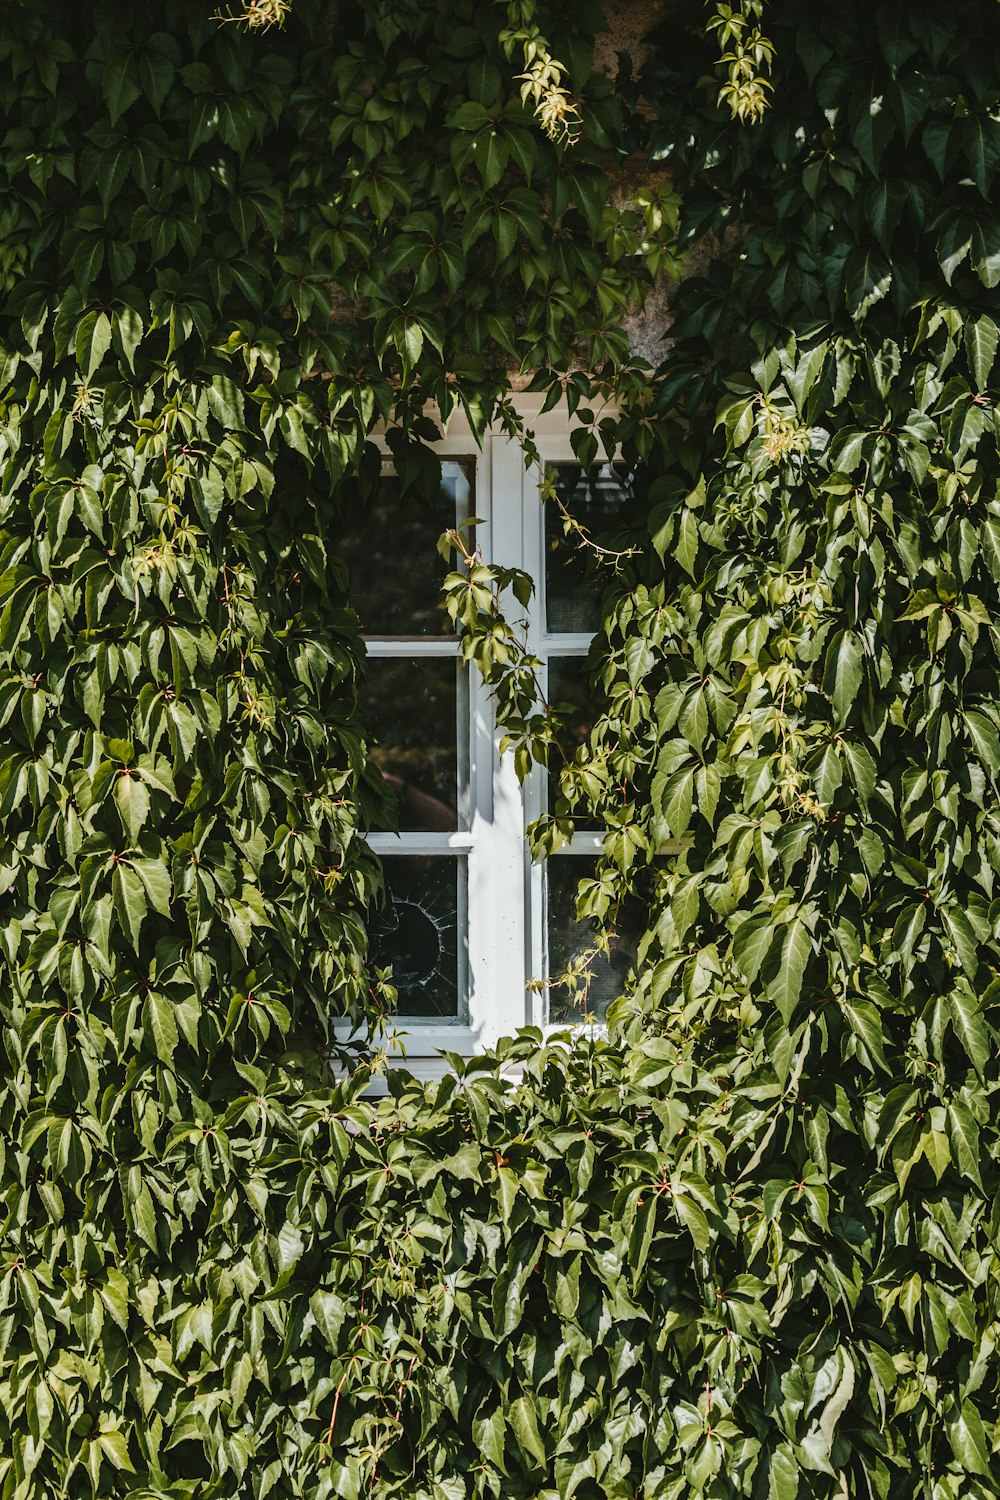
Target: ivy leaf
[965, 1136]
[676, 800]
[964, 938]
[522, 1419]
[120, 84]
[155, 879]
[93, 340]
[693, 1217]
[488, 1436]
[783, 1475]
[968, 1440]
[751, 945]
[115, 1448]
[132, 799]
[985, 739]
[868, 279]
[864, 1020]
[129, 900]
[844, 673]
[225, 402]
[862, 767]
[686, 549]
[828, 775]
[159, 1025]
[786, 988]
[982, 338]
[970, 1027]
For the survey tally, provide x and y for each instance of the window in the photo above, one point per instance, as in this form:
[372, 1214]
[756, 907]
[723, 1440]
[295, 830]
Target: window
[469, 921]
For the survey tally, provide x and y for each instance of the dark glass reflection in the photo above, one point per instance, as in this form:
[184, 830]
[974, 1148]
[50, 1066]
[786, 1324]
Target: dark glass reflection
[391, 554]
[411, 707]
[569, 690]
[417, 932]
[596, 498]
[568, 939]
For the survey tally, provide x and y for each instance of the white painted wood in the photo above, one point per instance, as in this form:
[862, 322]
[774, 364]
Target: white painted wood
[420, 843]
[506, 891]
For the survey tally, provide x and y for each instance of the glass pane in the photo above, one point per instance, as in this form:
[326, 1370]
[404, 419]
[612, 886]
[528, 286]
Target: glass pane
[417, 711]
[569, 689]
[596, 498]
[567, 940]
[421, 932]
[391, 553]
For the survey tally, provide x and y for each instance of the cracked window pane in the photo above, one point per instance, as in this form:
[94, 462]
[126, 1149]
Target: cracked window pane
[574, 583]
[569, 942]
[417, 712]
[569, 690]
[390, 548]
[421, 933]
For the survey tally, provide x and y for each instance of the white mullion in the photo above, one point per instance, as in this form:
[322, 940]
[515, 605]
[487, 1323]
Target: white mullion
[420, 843]
[546, 645]
[534, 790]
[480, 970]
[383, 646]
[507, 549]
[572, 643]
[581, 842]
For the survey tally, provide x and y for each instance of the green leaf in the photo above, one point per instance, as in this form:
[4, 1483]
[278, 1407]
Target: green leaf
[639, 658]
[985, 739]
[686, 549]
[751, 944]
[693, 1217]
[968, 1441]
[862, 768]
[120, 84]
[843, 674]
[783, 1475]
[970, 1027]
[796, 948]
[523, 1421]
[965, 1136]
[677, 801]
[225, 402]
[488, 1435]
[129, 898]
[159, 1025]
[936, 1150]
[93, 340]
[692, 721]
[963, 936]
[982, 338]
[868, 279]
[132, 798]
[866, 1024]
[155, 879]
[115, 1448]
[828, 775]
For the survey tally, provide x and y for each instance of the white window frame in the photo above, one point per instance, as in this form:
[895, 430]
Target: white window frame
[506, 889]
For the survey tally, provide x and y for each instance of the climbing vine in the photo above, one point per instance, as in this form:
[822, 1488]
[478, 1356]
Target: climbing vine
[748, 1243]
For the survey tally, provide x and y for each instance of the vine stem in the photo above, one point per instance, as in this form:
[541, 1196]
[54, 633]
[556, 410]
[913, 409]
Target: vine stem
[333, 1414]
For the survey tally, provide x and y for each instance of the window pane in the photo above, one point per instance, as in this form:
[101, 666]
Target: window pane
[596, 498]
[421, 933]
[417, 710]
[392, 558]
[568, 940]
[569, 689]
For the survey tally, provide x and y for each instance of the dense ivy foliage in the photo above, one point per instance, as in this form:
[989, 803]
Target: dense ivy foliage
[749, 1247]
[224, 256]
[803, 686]
[752, 1249]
